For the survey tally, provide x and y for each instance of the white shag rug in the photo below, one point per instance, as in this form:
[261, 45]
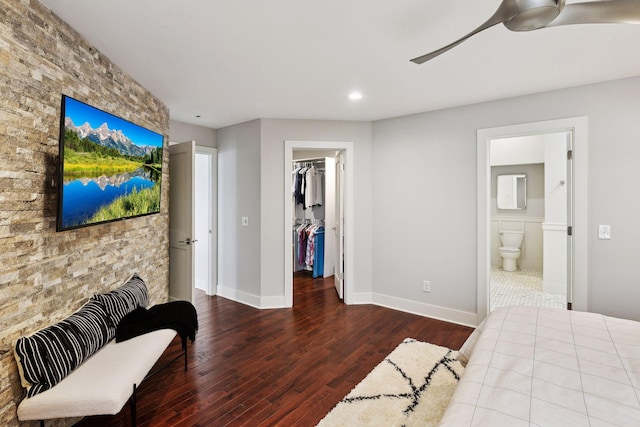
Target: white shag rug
[412, 386]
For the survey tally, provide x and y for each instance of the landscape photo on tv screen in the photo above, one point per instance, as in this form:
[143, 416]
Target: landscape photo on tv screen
[110, 168]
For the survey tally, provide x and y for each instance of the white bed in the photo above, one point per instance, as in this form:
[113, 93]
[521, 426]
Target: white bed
[532, 366]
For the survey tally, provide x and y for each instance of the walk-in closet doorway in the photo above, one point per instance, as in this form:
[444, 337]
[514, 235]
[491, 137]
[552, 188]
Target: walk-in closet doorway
[313, 192]
[318, 214]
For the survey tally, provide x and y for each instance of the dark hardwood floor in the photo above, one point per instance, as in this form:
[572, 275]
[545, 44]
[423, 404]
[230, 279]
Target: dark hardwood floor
[288, 367]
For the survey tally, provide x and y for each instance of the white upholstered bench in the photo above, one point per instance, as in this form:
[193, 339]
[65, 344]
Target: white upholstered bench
[76, 368]
[103, 383]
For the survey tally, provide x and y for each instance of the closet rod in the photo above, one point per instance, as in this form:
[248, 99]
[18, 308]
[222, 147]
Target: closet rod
[308, 221]
[314, 160]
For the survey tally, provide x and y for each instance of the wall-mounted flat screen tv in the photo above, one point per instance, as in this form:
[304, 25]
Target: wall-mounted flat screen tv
[110, 168]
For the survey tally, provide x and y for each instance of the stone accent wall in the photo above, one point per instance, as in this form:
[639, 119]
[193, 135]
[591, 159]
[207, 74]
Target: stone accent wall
[46, 275]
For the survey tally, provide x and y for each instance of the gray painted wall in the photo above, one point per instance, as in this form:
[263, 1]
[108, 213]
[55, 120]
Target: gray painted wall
[424, 206]
[251, 183]
[239, 168]
[182, 132]
[424, 222]
[274, 133]
[415, 197]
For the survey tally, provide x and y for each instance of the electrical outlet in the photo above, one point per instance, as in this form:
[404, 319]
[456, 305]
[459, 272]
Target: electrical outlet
[426, 286]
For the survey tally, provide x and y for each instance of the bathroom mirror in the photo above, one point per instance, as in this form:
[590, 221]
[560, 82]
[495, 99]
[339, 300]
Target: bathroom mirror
[512, 191]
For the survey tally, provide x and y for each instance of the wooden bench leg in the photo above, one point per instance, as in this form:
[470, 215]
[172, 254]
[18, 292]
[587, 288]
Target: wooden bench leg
[133, 407]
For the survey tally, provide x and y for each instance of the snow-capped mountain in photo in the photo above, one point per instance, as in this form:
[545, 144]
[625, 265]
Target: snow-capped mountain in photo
[108, 138]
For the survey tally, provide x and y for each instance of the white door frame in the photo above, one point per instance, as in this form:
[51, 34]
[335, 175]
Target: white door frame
[577, 125]
[212, 241]
[347, 147]
[338, 222]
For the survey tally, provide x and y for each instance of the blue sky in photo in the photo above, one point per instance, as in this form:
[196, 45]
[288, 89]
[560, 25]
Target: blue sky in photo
[81, 113]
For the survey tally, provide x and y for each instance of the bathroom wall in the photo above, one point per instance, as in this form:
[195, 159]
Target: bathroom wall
[535, 189]
[528, 220]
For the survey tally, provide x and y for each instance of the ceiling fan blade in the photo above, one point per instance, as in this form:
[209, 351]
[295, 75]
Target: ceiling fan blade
[504, 13]
[599, 12]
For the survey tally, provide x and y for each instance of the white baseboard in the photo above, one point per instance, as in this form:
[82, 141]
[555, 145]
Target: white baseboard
[427, 310]
[252, 300]
[360, 298]
[201, 284]
[394, 303]
[239, 296]
[272, 302]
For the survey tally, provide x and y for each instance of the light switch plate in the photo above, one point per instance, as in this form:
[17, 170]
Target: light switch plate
[604, 232]
[245, 221]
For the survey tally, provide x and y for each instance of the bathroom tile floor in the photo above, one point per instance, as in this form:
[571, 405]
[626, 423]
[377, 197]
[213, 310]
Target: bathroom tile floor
[521, 287]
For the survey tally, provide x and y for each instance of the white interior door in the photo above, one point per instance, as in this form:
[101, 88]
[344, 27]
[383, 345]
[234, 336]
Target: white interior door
[339, 226]
[205, 203]
[570, 219]
[330, 216]
[555, 277]
[202, 200]
[181, 221]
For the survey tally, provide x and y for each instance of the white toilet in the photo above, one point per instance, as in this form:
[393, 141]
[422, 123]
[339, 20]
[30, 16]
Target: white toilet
[510, 249]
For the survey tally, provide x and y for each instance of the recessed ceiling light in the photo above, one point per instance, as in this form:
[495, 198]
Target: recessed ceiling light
[354, 96]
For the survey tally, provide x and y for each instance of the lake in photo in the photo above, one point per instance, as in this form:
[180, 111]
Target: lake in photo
[83, 197]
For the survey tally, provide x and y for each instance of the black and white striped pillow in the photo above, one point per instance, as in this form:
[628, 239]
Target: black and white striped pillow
[122, 301]
[49, 355]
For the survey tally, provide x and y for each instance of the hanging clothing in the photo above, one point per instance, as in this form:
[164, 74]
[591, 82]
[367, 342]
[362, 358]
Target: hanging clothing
[318, 262]
[313, 187]
[311, 246]
[296, 179]
[307, 186]
[302, 244]
[310, 188]
[318, 180]
[307, 189]
[300, 186]
[296, 245]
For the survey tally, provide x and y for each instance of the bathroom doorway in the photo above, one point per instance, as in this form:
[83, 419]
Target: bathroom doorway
[571, 228]
[529, 207]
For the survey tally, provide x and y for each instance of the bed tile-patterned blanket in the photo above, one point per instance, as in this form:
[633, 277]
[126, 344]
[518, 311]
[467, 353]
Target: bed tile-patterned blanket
[546, 367]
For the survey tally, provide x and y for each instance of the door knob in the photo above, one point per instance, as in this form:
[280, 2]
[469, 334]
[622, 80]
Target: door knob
[188, 241]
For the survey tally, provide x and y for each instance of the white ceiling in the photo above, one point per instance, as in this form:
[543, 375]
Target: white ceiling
[230, 61]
